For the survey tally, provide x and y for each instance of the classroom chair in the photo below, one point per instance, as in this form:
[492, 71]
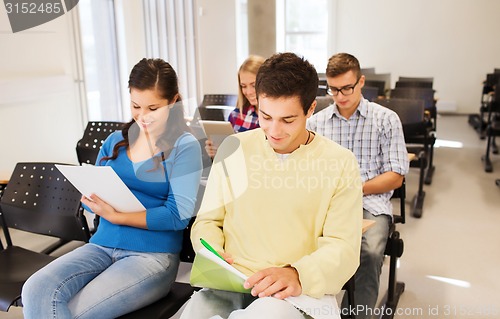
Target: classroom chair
[411, 113]
[394, 249]
[216, 107]
[492, 129]
[379, 84]
[427, 95]
[37, 199]
[370, 93]
[94, 135]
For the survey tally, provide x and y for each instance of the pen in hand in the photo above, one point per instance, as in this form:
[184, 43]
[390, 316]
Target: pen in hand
[210, 248]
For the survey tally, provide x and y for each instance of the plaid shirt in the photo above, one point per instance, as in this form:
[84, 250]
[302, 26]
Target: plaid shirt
[375, 135]
[246, 121]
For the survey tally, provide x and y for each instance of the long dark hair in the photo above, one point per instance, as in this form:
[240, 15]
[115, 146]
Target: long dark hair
[156, 74]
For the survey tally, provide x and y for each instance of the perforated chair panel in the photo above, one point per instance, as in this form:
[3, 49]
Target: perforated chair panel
[95, 133]
[37, 199]
[40, 200]
[219, 99]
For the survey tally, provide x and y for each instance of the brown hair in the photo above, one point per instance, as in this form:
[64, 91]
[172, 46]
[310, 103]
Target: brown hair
[287, 75]
[341, 63]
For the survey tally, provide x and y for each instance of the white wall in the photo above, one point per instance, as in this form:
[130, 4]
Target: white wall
[216, 25]
[452, 41]
[37, 126]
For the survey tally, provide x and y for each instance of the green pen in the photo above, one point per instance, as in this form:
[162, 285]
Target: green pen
[207, 245]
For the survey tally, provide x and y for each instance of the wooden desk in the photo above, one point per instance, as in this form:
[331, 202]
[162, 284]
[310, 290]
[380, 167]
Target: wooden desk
[3, 182]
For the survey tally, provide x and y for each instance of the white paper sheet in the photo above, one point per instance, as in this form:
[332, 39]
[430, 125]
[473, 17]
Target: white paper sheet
[105, 183]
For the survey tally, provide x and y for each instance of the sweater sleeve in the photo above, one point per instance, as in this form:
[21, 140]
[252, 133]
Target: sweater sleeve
[327, 269]
[218, 193]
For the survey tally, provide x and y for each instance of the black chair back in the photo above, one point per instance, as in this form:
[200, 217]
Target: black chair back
[370, 93]
[415, 79]
[219, 99]
[322, 88]
[39, 199]
[379, 84]
[216, 107]
[425, 94]
[322, 102]
[94, 135]
[409, 84]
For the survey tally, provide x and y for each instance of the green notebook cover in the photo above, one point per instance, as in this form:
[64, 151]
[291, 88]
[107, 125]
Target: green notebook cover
[210, 271]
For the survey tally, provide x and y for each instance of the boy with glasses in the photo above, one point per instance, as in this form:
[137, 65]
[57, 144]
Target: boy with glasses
[375, 135]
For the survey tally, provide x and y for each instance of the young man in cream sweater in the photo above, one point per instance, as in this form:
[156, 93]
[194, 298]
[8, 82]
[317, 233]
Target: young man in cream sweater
[283, 204]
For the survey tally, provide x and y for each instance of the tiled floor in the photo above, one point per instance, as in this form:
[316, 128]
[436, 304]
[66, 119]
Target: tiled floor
[450, 261]
[451, 257]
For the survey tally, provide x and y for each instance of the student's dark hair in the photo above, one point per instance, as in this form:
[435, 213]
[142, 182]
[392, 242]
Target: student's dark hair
[156, 74]
[288, 75]
[341, 63]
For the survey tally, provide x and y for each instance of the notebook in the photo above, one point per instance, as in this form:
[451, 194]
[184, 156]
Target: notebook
[210, 271]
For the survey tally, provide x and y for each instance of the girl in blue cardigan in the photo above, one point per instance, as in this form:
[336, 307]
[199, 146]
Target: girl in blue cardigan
[133, 258]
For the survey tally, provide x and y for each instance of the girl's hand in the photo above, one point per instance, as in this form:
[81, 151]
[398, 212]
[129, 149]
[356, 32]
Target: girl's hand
[210, 148]
[101, 208]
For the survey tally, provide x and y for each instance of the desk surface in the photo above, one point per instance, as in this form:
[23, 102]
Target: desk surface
[3, 181]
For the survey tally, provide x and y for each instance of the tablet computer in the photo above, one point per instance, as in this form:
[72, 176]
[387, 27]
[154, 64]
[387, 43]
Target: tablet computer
[217, 131]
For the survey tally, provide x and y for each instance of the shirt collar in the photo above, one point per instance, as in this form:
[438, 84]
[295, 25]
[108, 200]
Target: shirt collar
[362, 109]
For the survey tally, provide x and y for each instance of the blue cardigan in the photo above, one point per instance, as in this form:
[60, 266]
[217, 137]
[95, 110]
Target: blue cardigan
[169, 202]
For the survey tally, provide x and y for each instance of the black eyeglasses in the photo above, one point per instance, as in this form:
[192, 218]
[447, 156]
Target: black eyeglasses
[346, 90]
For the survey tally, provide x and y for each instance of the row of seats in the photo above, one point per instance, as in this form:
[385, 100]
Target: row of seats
[394, 245]
[51, 207]
[487, 121]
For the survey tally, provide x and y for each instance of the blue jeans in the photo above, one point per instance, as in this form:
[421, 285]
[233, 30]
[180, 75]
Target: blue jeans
[367, 278]
[98, 282]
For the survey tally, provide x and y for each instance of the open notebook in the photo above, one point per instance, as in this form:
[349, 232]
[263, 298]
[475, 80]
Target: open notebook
[210, 271]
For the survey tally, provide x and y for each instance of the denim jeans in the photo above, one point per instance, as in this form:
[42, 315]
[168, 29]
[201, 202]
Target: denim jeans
[98, 282]
[218, 304]
[367, 278]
